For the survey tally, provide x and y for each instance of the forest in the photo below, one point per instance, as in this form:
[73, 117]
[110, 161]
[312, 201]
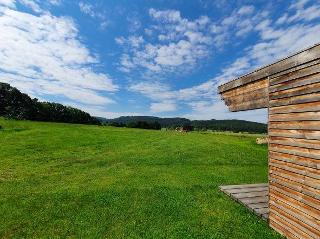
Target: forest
[17, 105]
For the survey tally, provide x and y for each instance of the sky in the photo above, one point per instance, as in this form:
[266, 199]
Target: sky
[163, 58]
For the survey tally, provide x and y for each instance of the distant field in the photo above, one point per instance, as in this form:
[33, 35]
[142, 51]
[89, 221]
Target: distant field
[63, 180]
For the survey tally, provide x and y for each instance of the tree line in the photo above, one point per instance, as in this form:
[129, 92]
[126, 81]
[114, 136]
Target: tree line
[189, 125]
[17, 105]
[138, 124]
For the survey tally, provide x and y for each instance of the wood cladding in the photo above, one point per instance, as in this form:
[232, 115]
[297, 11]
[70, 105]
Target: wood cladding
[294, 152]
[294, 62]
[298, 75]
[290, 89]
[252, 96]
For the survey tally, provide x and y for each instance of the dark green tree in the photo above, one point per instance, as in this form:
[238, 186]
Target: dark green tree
[16, 105]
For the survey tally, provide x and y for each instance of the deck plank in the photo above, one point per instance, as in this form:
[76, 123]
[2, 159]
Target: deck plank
[254, 200]
[244, 186]
[247, 190]
[258, 205]
[253, 196]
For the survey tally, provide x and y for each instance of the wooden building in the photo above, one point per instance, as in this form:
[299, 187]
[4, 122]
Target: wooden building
[290, 89]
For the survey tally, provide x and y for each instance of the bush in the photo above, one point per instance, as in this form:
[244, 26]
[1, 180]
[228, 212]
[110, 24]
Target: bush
[1, 127]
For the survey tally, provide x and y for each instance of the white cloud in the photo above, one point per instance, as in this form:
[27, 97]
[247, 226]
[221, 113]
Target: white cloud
[42, 55]
[100, 111]
[301, 12]
[166, 15]
[245, 27]
[132, 41]
[92, 11]
[55, 2]
[110, 114]
[307, 14]
[148, 32]
[229, 20]
[153, 90]
[120, 40]
[7, 3]
[87, 9]
[35, 5]
[217, 110]
[246, 10]
[182, 44]
[134, 23]
[299, 4]
[32, 4]
[166, 106]
[282, 19]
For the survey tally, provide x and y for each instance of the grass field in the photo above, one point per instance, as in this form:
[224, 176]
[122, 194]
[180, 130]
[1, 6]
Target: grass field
[76, 181]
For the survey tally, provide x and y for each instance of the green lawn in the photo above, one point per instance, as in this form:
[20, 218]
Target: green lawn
[76, 181]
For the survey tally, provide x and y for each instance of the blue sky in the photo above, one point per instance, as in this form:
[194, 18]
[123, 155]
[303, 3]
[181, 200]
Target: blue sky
[162, 58]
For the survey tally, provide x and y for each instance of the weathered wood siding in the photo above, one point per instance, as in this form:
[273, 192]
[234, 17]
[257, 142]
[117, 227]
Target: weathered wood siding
[290, 89]
[251, 96]
[251, 91]
[294, 151]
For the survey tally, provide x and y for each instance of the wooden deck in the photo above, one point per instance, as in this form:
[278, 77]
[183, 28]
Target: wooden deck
[253, 196]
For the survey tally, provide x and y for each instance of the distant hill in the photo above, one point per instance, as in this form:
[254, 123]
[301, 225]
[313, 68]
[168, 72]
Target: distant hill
[164, 122]
[218, 125]
[230, 125]
[16, 105]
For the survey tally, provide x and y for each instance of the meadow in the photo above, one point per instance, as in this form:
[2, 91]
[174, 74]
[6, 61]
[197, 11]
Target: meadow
[80, 181]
